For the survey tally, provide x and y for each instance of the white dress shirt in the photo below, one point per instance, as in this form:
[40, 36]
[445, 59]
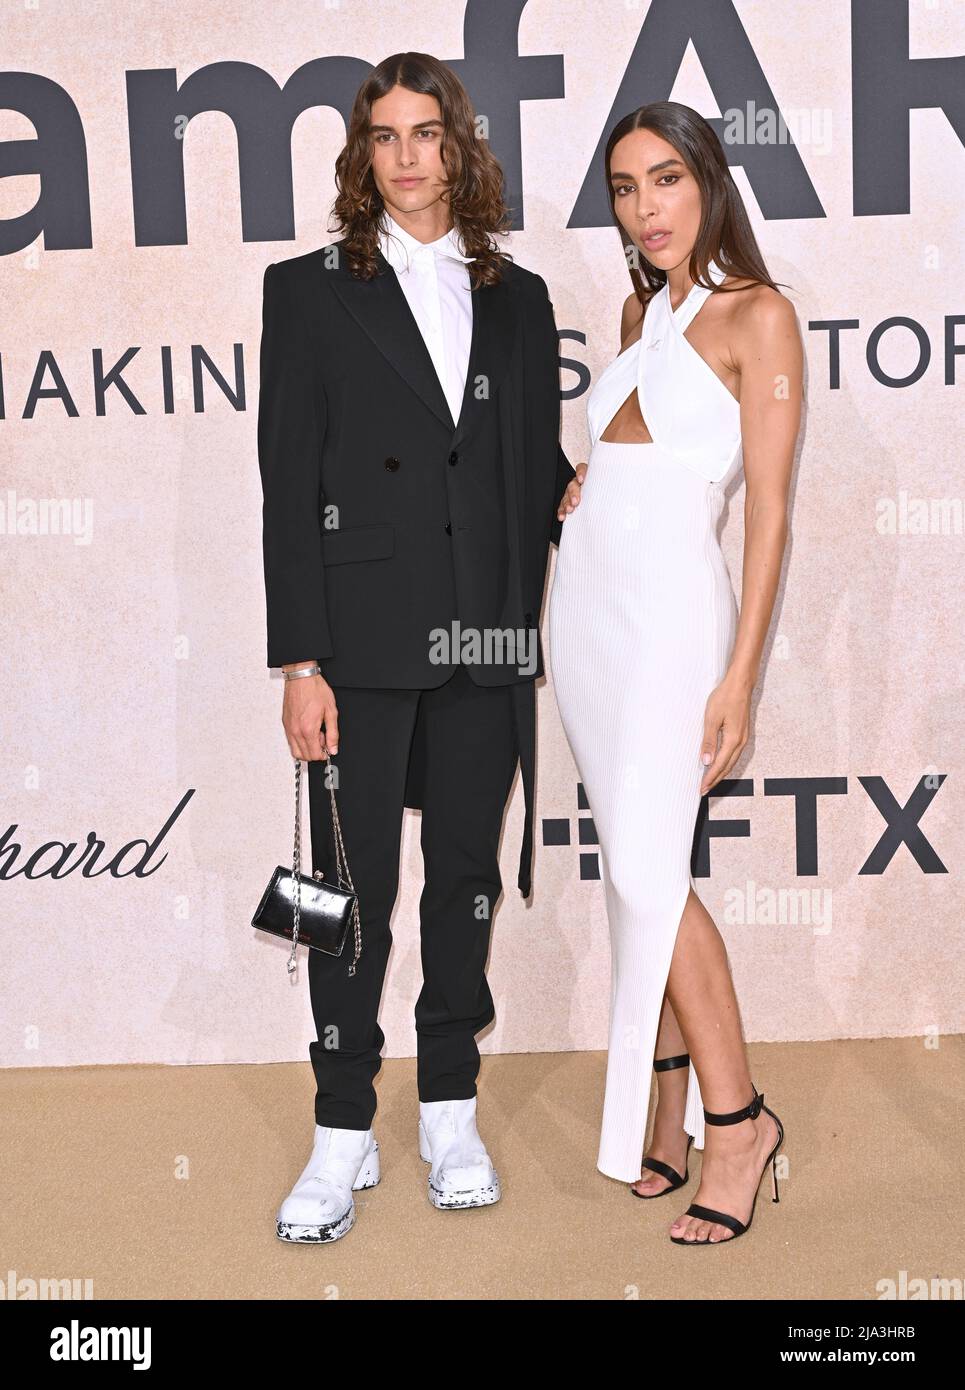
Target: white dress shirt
[435, 280]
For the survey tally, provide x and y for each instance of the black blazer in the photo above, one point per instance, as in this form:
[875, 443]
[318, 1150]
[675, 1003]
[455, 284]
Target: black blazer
[384, 519]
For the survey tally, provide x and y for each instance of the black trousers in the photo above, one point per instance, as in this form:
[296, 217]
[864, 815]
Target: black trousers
[468, 732]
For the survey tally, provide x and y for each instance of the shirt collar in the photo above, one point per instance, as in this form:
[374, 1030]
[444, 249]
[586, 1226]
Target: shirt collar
[399, 246]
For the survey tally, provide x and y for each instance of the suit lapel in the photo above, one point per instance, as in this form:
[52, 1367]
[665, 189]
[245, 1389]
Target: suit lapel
[382, 310]
[380, 307]
[493, 334]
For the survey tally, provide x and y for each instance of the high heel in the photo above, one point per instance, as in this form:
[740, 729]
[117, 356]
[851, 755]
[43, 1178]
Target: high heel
[721, 1218]
[664, 1169]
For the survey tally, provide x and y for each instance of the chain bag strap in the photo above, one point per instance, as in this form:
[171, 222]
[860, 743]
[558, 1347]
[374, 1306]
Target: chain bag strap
[341, 866]
[323, 912]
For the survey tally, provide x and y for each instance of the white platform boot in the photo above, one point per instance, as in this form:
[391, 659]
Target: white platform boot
[461, 1172]
[320, 1206]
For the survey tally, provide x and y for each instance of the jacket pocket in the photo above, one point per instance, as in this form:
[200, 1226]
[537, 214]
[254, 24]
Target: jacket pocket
[348, 543]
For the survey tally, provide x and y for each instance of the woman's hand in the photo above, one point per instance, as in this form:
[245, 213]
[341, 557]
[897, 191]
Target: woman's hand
[571, 497]
[728, 714]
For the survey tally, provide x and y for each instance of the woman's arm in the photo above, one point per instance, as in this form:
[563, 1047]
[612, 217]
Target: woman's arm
[769, 356]
[630, 316]
[771, 364]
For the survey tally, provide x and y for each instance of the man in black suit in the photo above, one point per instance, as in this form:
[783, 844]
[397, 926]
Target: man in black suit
[408, 438]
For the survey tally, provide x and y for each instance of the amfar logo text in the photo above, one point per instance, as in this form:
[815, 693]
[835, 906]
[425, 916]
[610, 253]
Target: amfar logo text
[887, 84]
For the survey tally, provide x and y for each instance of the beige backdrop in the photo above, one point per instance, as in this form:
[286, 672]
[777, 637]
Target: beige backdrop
[135, 645]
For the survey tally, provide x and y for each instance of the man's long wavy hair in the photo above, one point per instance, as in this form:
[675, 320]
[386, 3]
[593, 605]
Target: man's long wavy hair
[474, 178]
[725, 234]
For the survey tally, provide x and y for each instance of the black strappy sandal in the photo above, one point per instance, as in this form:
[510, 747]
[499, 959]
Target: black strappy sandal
[721, 1218]
[664, 1169]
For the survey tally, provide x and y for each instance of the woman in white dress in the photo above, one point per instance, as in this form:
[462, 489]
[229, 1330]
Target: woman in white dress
[651, 663]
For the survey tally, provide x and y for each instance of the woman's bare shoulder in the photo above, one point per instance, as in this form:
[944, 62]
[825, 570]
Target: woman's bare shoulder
[756, 300]
[763, 327]
[761, 313]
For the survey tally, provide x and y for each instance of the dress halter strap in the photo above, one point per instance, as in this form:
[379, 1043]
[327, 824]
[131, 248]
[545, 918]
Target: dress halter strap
[686, 311]
[690, 414]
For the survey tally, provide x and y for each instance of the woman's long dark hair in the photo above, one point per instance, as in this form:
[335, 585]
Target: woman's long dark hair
[474, 177]
[725, 234]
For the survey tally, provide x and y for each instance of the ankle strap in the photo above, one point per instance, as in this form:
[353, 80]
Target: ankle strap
[749, 1112]
[671, 1063]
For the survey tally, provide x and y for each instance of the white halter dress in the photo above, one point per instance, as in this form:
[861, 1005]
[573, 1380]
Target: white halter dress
[642, 619]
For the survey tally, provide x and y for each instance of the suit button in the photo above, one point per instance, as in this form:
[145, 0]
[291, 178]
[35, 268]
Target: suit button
[453, 459]
[391, 464]
[448, 528]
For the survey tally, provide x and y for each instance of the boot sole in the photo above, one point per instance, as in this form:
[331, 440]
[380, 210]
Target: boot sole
[458, 1201]
[461, 1201]
[300, 1234]
[316, 1235]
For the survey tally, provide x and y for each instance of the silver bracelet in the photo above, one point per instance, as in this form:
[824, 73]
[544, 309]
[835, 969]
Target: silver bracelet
[305, 671]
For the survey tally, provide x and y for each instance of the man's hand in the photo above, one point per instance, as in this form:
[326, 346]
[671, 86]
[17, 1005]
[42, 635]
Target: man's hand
[571, 497]
[309, 705]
